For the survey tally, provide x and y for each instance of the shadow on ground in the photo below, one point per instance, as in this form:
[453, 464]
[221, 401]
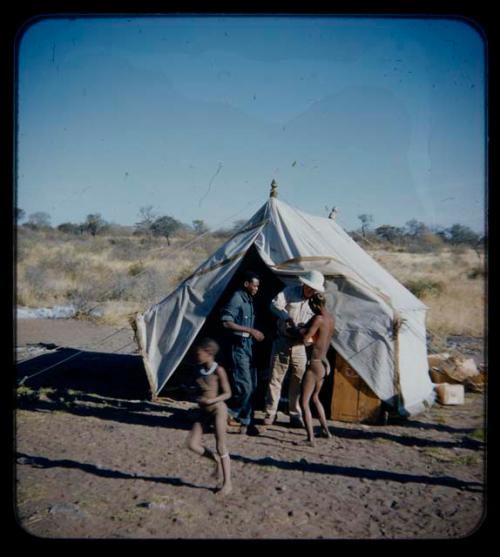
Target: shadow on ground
[366, 473]
[42, 462]
[116, 375]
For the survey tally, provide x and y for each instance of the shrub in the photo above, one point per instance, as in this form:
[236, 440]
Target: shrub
[476, 272]
[136, 269]
[424, 287]
[124, 249]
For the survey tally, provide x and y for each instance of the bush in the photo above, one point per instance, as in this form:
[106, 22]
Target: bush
[424, 287]
[124, 249]
[476, 272]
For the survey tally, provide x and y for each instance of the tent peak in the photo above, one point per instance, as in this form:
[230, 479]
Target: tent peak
[274, 189]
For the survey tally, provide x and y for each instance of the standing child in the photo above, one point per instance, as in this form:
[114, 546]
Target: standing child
[214, 389]
[318, 332]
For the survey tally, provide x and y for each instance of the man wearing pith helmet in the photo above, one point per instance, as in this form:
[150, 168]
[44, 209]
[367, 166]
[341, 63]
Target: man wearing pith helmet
[291, 306]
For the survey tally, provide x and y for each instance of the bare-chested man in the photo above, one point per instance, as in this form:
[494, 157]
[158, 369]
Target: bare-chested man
[214, 389]
[318, 332]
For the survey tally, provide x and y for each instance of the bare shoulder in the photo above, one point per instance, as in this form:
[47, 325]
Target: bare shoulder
[220, 371]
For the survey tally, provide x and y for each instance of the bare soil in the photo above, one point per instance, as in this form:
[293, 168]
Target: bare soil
[96, 459]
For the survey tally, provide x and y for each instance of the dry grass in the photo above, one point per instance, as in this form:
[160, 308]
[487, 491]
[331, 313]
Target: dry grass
[457, 306]
[125, 274]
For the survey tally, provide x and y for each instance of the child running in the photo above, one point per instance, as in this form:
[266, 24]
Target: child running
[212, 380]
[318, 332]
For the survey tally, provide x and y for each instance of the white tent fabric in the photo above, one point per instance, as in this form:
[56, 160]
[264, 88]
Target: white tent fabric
[380, 325]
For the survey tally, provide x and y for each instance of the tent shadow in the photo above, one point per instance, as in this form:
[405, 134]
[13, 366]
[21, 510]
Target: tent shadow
[101, 373]
[111, 387]
[143, 413]
[362, 473]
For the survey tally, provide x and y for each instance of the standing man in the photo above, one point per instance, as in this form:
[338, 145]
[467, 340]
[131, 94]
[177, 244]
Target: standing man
[292, 308]
[238, 317]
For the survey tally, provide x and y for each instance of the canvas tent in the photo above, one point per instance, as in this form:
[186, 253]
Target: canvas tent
[380, 325]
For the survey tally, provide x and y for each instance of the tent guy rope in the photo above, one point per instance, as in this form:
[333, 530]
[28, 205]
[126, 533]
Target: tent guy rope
[82, 349]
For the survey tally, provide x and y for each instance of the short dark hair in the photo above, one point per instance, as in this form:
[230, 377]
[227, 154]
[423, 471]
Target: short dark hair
[208, 344]
[248, 276]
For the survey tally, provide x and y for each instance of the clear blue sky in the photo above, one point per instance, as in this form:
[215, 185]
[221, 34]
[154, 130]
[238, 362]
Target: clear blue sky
[196, 115]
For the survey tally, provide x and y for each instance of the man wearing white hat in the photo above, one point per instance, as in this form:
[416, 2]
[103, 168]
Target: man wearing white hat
[291, 306]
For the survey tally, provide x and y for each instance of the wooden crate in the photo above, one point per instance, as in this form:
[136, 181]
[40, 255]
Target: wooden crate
[352, 399]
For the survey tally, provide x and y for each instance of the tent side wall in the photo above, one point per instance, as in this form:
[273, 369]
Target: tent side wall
[167, 330]
[417, 389]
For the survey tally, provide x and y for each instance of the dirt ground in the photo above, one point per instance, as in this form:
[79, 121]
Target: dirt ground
[96, 459]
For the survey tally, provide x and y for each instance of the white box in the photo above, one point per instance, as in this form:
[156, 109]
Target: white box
[450, 394]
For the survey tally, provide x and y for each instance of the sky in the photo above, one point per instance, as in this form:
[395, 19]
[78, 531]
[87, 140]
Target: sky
[195, 116]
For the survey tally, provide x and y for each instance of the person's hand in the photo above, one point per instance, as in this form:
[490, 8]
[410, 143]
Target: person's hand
[257, 335]
[203, 401]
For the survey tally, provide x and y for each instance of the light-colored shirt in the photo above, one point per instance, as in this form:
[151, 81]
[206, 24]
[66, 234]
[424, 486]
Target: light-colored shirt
[290, 303]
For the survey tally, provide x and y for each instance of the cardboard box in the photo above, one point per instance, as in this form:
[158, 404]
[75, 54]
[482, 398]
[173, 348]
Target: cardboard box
[450, 394]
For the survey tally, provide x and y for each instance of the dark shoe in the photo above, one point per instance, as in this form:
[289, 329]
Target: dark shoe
[252, 430]
[296, 422]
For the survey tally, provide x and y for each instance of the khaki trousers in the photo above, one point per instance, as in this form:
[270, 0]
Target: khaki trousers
[286, 355]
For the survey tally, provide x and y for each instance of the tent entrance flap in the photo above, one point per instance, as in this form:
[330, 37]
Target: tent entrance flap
[270, 285]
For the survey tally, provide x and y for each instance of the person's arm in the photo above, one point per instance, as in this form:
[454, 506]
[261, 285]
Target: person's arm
[224, 385]
[312, 327]
[278, 305]
[257, 335]
[228, 315]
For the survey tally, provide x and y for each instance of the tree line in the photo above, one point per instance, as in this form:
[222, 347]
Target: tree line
[418, 233]
[150, 224]
[414, 234]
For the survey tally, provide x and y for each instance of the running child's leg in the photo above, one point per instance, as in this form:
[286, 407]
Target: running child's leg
[194, 442]
[223, 461]
[194, 439]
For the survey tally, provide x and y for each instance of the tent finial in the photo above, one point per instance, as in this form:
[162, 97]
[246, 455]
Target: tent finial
[274, 189]
[333, 213]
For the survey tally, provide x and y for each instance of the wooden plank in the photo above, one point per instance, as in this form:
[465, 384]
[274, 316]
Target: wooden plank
[352, 400]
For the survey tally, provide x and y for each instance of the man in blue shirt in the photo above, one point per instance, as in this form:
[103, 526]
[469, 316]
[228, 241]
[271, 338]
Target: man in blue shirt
[238, 318]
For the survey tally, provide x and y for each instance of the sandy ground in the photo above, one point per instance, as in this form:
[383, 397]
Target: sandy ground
[96, 459]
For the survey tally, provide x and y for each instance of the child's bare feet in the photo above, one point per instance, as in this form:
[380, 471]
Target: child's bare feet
[325, 433]
[307, 442]
[217, 472]
[224, 490]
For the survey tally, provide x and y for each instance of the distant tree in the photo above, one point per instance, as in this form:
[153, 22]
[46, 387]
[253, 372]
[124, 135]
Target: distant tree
[70, 228]
[460, 234]
[148, 217]
[19, 214]
[237, 225]
[389, 233]
[166, 226]
[94, 224]
[199, 226]
[366, 221]
[416, 229]
[38, 220]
